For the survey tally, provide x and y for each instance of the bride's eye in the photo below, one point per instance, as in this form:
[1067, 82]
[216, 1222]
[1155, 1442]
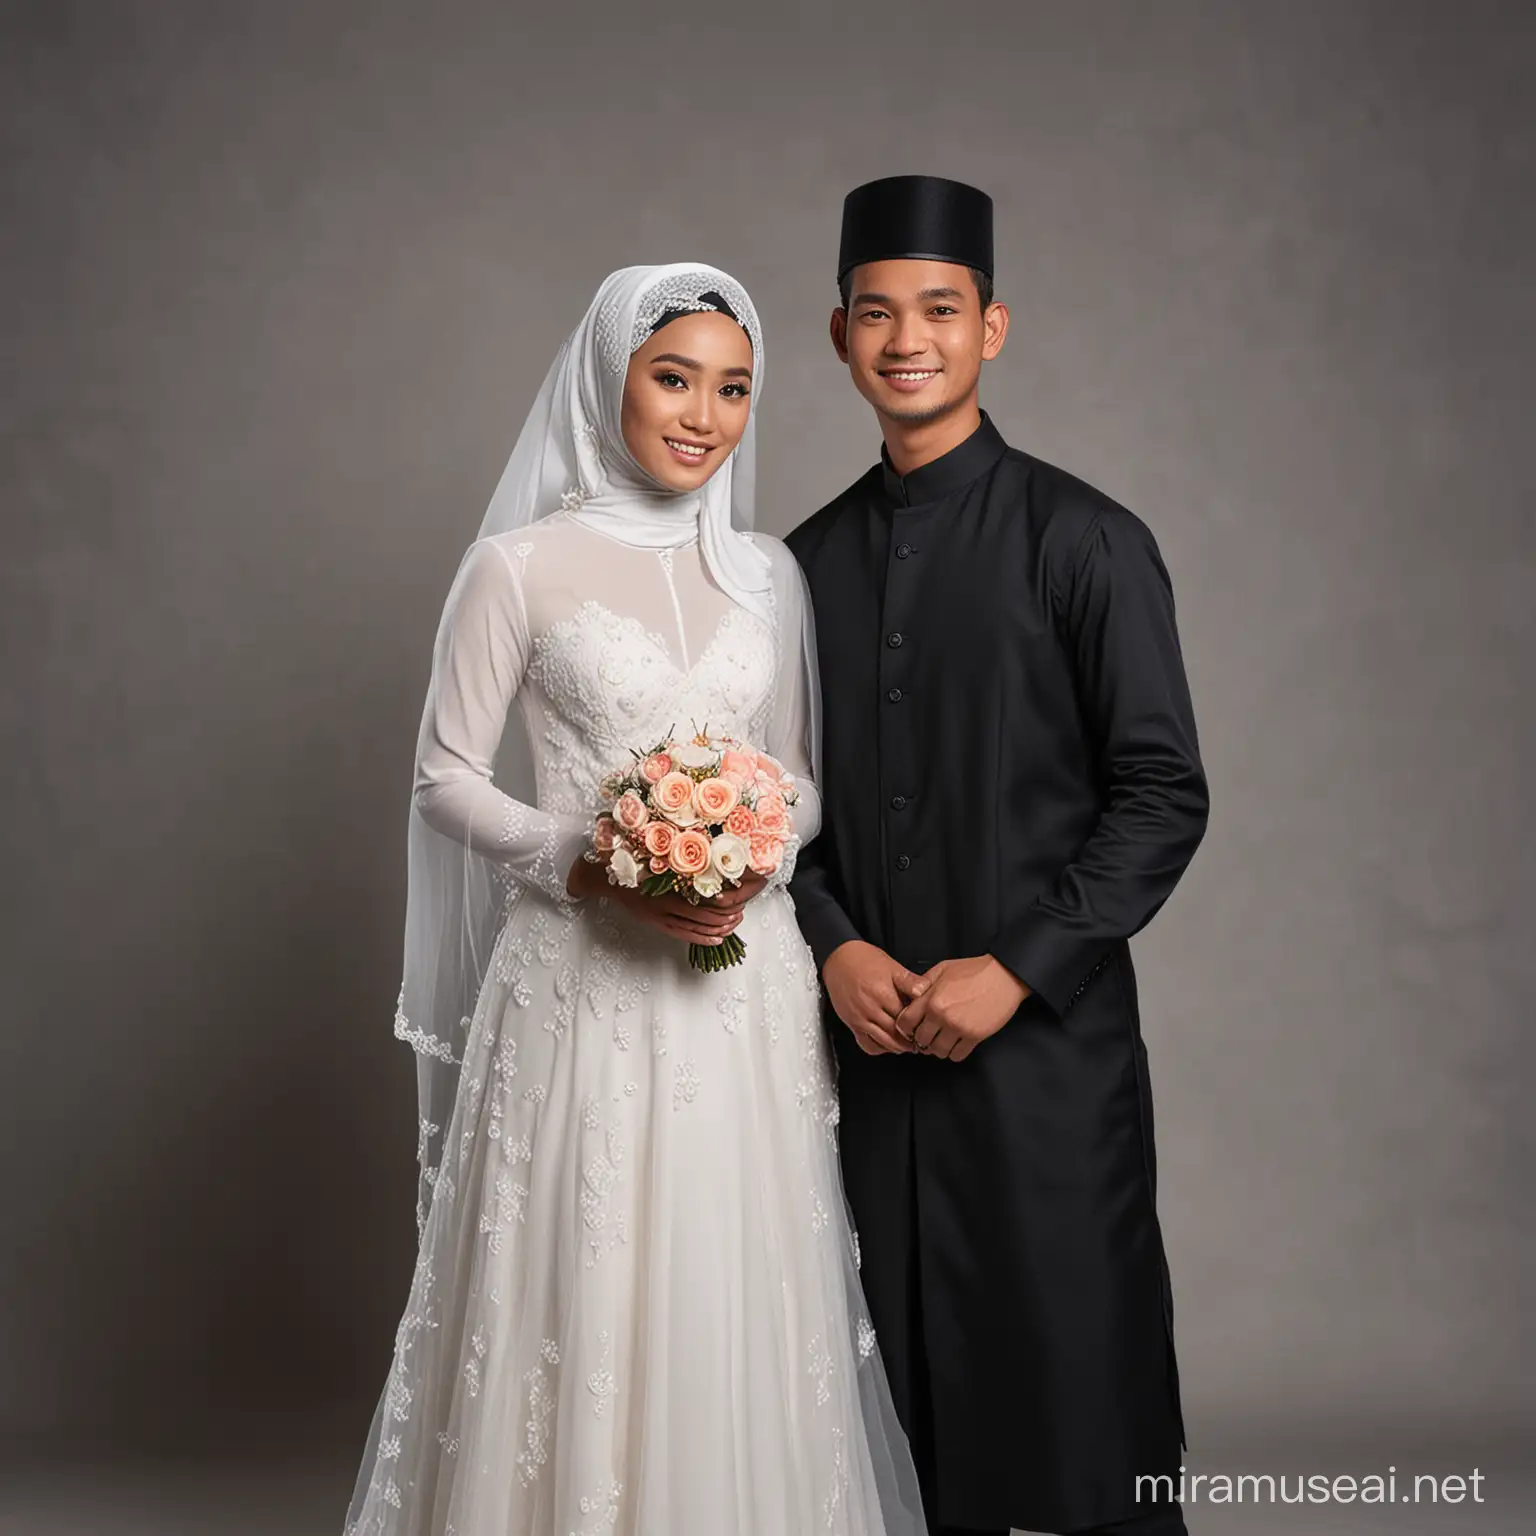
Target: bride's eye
[672, 380]
[735, 391]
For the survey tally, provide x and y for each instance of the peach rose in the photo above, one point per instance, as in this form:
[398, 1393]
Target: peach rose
[765, 853]
[658, 838]
[630, 812]
[772, 814]
[738, 765]
[741, 821]
[658, 866]
[672, 795]
[770, 766]
[690, 852]
[716, 799]
[656, 767]
[603, 836]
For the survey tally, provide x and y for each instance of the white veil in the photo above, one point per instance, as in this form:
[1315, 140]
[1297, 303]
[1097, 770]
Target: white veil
[570, 457]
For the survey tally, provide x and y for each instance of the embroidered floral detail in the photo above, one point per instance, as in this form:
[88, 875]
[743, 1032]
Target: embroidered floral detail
[541, 1408]
[685, 1085]
[866, 1333]
[729, 1007]
[608, 678]
[600, 1382]
[515, 817]
[566, 992]
[820, 1220]
[605, 1505]
[600, 1176]
[503, 1070]
[418, 1040]
[507, 1205]
[821, 1370]
[838, 1493]
[773, 1011]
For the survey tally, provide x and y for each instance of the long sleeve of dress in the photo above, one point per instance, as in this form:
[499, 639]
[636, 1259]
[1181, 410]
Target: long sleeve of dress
[481, 656]
[794, 727]
[1120, 631]
[820, 914]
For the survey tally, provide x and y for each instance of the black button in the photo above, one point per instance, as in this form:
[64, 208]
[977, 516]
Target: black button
[898, 802]
[903, 862]
[903, 550]
[893, 641]
[894, 695]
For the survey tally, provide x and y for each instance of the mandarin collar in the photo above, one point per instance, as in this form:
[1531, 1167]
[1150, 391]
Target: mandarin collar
[948, 473]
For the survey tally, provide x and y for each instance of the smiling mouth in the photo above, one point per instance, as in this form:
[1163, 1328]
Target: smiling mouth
[909, 375]
[691, 451]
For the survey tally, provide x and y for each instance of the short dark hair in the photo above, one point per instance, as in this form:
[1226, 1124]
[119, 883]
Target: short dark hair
[983, 281]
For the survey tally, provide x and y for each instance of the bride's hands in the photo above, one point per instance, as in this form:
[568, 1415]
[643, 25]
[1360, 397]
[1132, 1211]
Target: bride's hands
[707, 923]
[734, 900]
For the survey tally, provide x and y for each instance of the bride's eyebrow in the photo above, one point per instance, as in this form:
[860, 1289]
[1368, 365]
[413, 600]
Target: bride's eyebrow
[697, 366]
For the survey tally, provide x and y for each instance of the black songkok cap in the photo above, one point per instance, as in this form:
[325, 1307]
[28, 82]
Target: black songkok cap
[923, 217]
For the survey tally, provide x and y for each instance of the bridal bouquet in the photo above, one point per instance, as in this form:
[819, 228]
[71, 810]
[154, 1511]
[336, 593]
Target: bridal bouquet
[692, 817]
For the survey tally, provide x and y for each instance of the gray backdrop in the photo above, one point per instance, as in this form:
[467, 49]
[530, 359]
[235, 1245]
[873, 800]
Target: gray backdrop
[280, 282]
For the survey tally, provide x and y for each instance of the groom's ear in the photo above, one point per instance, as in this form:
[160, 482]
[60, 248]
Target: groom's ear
[840, 333]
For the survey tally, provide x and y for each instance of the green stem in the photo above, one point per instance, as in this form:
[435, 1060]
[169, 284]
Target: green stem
[732, 950]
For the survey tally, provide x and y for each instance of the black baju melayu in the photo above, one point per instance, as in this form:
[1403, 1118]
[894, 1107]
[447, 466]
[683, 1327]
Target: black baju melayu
[1010, 766]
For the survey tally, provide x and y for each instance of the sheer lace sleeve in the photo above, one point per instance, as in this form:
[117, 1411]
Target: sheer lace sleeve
[794, 725]
[482, 655]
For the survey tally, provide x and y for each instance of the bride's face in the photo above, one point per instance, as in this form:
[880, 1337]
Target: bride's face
[686, 398]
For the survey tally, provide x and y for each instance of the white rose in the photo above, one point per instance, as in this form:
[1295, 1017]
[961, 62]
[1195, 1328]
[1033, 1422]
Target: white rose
[623, 868]
[708, 882]
[692, 755]
[729, 856]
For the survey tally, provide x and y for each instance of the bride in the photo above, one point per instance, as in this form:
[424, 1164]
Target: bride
[635, 1308]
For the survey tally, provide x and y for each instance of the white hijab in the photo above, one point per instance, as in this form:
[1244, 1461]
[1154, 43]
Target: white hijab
[571, 452]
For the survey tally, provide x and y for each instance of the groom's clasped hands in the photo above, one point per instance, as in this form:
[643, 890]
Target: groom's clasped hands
[947, 1011]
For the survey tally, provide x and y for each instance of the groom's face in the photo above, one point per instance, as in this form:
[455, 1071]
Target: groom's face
[914, 336]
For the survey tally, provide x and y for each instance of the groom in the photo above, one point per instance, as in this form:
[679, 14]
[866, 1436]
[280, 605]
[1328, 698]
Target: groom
[1012, 788]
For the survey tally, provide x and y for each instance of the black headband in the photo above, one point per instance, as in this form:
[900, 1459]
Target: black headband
[707, 301]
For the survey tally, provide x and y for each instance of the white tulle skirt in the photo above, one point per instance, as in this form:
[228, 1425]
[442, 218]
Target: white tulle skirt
[636, 1307]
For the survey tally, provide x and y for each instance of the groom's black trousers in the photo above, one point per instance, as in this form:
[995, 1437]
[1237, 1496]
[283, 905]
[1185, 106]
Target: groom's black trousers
[1153, 1520]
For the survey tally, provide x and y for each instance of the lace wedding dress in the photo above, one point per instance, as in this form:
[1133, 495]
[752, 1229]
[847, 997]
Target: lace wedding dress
[635, 1308]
